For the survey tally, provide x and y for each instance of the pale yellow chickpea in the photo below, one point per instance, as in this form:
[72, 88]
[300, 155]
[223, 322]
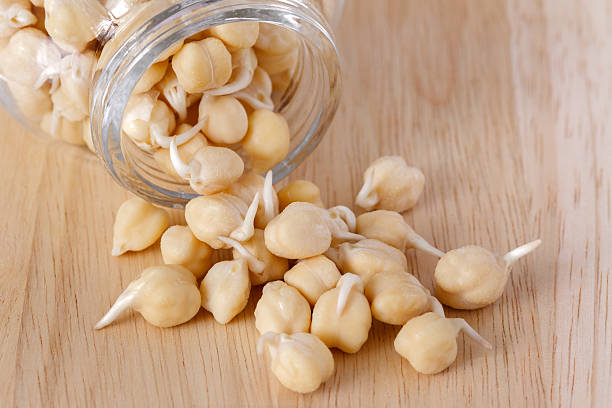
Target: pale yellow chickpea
[275, 40]
[225, 289]
[390, 184]
[237, 35]
[429, 342]
[170, 51]
[300, 361]
[33, 103]
[341, 318]
[389, 227]
[313, 276]
[267, 139]
[71, 26]
[282, 309]
[227, 120]
[138, 225]
[258, 95]
[396, 297]
[15, 14]
[368, 257]
[279, 63]
[299, 190]
[472, 277]
[165, 295]
[151, 76]
[61, 128]
[180, 247]
[202, 65]
[186, 151]
[214, 216]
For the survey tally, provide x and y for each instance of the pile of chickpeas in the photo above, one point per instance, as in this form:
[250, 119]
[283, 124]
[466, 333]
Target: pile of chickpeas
[326, 272]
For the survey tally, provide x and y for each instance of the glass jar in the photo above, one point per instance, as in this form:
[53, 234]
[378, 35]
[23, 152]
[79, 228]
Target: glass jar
[72, 73]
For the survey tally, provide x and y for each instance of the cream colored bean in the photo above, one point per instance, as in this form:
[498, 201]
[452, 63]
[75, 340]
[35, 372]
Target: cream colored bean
[267, 139]
[396, 297]
[282, 309]
[75, 74]
[390, 184]
[180, 247]
[341, 318]
[15, 14]
[151, 76]
[472, 277]
[313, 276]
[165, 295]
[138, 225]
[368, 257]
[225, 289]
[33, 103]
[186, 151]
[300, 361]
[170, 51]
[237, 35]
[389, 227]
[429, 342]
[244, 63]
[275, 40]
[61, 128]
[72, 25]
[258, 95]
[227, 120]
[202, 65]
[279, 63]
[299, 190]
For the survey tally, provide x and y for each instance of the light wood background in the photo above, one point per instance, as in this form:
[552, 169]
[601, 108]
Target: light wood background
[505, 105]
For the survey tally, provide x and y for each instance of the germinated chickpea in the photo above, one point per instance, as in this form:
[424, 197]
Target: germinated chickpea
[138, 225]
[65, 105]
[252, 183]
[258, 94]
[227, 120]
[180, 247]
[279, 63]
[186, 151]
[275, 40]
[71, 99]
[175, 95]
[15, 14]
[244, 63]
[267, 139]
[300, 361]
[341, 317]
[473, 277]
[59, 127]
[165, 295]
[389, 227]
[429, 342]
[237, 35]
[390, 184]
[33, 103]
[299, 190]
[143, 113]
[225, 289]
[202, 65]
[210, 217]
[396, 297]
[282, 309]
[151, 76]
[313, 276]
[368, 257]
[70, 26]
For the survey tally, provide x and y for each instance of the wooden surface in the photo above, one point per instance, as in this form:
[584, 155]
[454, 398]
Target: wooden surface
[506, 107]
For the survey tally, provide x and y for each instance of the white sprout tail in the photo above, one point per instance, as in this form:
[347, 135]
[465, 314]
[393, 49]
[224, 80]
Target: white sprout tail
[367, 198]
[435, 306]
[124, 301]
[179, 165]
[270, 199]
[244, 63]
[473, 334]
[420, 243]
[180, 139]
[347, 282]
[517, 253]
[346, 214]
[255, 265]
[247, 229]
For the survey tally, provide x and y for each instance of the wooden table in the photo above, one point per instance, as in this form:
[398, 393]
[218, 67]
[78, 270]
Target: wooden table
[506, 108]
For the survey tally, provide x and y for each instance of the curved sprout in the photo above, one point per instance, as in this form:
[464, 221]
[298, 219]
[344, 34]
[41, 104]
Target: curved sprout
[247, 229]
[124, 301]
[180, 139]
[179, 165]
[346, 215]
[462, 325]
[367, 197]
[435, 305]
[50, 57]
[270, 199]
[244, 63]
[259, 92]
[420, 243]
[175, 94]
[517, 253]
[264, 339]
[347, 282]
[255, 265]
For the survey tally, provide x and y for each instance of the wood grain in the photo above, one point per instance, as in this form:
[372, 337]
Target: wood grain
[505, 105]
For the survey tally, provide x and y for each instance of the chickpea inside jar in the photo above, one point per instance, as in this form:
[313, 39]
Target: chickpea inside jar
[178, 99]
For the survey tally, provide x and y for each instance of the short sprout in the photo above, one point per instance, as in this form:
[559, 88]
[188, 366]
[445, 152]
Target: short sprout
[138, 225]
[186, 151]
[258, 94]
[225, 289]
[282, 309]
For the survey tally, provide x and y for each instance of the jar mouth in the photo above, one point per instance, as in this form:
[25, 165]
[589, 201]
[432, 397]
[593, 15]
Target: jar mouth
[309, 103]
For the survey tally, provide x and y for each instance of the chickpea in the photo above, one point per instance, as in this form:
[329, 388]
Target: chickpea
[144, 114]
[237, 35]
[165, 295]
[258, 95]
[367, 258]
[138, 225]
[244, 63]
[58, 126]
[180, 247]
[225, 289]
[186, 151]
[472, 277]
[390, 184]
[15, 14]
[33, 103]
[282, 309]
[279, 63]
[396, 297]
[252, 183]
[151, 76]
[429, 342]
[71, 26]
[299, 190]
[227, 120]
[175, 95]
[341, 317]
[300, 361]
[202, 65]
[71, 99]
[389, 227]
[170, 51]
[267, 139]
[313, 276]
[275, 40]
[342, 223]
[210, 217]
